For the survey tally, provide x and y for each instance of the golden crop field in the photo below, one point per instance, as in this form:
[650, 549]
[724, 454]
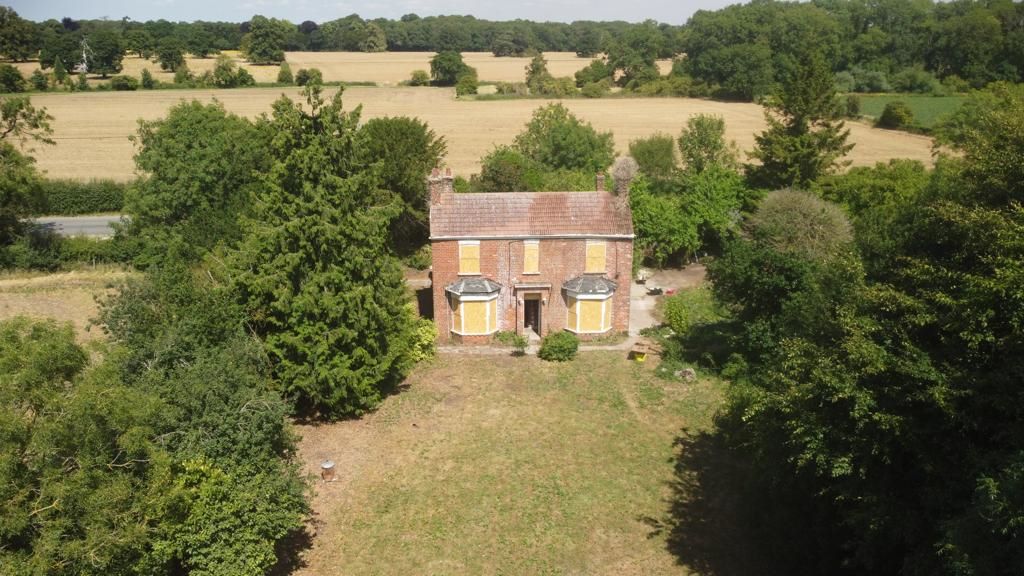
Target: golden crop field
[92, 128]
[382, 68]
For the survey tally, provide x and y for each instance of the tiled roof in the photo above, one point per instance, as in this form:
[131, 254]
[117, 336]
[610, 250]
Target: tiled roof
[529, 214]
[474, 286]
[589, 284]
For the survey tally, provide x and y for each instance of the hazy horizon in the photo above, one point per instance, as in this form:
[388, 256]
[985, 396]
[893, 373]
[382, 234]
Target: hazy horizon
[325, 10]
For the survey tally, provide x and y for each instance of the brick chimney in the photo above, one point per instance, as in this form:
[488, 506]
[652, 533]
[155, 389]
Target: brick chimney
[439, 184]
[599, 183]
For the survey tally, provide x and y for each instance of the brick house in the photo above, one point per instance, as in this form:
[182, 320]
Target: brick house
[529, 261]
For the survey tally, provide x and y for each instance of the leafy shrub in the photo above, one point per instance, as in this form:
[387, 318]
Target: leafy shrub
[420, 259]
[284, 74]
[124, 83]
[689, 308]
[308, 76]
[680, 86]
[424, 339]
[39, 81]
[845, 82]
[243, 78]
[148, 82]
[917, 80]
[596, 89]
[446, 68]
[512, 88]
[558, 139]
[955, 84]
[656, 155]
[82, 84]
[596, 71]
[182, 75]
[419, 78]
[896, 115]
[518, 342]
[559, 347]
[467, 84]
[67, 197]
[852, 106]
[11, 79]
[871, 81]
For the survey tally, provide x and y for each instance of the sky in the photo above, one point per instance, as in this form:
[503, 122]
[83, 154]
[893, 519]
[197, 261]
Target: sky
[670, 11]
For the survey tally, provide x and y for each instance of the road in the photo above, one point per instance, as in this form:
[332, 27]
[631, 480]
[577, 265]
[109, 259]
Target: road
[93, 226]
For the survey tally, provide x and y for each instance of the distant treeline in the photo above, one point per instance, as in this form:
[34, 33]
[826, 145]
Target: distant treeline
[738, 51]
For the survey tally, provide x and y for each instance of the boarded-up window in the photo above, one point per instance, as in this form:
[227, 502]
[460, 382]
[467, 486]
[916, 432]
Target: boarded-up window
[596, 257]
[531, 257]
[607, 323]
[571, 320]
[474, 316]
[456, 315]
[590, 315]
[469, 258]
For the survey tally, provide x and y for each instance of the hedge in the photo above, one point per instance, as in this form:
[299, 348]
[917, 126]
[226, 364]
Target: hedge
[71, 197]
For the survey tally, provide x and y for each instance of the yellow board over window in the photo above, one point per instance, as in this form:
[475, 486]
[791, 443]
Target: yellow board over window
[469, 258]
[596, 257]
[571, 320]
[591, 316]
[492, 316]
[474, 316]
[531, 258]
[607, 323]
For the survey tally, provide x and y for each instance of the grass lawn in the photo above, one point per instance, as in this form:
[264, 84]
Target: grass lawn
[927, 109]
[502, 465]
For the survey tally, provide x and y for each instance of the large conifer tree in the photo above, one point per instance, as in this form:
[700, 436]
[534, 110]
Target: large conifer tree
[804, 140]
[315, 272]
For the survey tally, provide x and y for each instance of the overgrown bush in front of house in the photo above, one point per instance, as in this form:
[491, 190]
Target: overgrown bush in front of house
[559, 347]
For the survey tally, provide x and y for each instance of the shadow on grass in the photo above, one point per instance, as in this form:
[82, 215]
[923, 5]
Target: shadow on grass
[289, 552]
[707, 527]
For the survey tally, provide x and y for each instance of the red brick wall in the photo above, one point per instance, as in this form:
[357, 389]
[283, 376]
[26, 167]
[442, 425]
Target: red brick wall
[502, 261]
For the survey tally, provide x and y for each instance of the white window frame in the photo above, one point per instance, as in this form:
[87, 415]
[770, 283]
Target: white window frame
[461, 330]
[606, 300]
[531, 243]
[478, 255]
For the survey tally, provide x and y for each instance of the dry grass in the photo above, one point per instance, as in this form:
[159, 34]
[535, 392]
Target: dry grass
[384, 68]
[65, 297]
[500, 465]
[92, 129]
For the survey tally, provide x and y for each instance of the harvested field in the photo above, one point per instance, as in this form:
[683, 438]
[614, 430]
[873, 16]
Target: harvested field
[65, 297]
[390, 68]
[92, 129]
[133, 66]
[383, 68]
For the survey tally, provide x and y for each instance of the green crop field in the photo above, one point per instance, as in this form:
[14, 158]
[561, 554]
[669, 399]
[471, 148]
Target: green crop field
[927, 109]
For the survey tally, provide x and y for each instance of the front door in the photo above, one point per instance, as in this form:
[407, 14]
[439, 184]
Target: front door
[531, 314]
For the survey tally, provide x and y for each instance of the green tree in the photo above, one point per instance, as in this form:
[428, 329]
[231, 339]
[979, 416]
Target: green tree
[17, 40]
[171, 54]
[315, 274]
[60, 73]
[11, 79]
[39, 81]
[284, 75]
[266, 40]
[556, 138]
[107, 52]
[405, 149]
[201, 166]
[703, 145]
[803, 141]
[20, 188]
[140, 42]
[655, 155]
[147, 80]
[446, 68]
[537, 74]
[374, 40]
[94, 471]
[199, 43]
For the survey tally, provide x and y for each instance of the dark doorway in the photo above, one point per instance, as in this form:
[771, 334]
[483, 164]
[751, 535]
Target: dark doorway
[531, 314]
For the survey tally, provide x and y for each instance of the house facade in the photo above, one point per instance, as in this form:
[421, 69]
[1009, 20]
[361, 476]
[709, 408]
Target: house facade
[529, 261]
